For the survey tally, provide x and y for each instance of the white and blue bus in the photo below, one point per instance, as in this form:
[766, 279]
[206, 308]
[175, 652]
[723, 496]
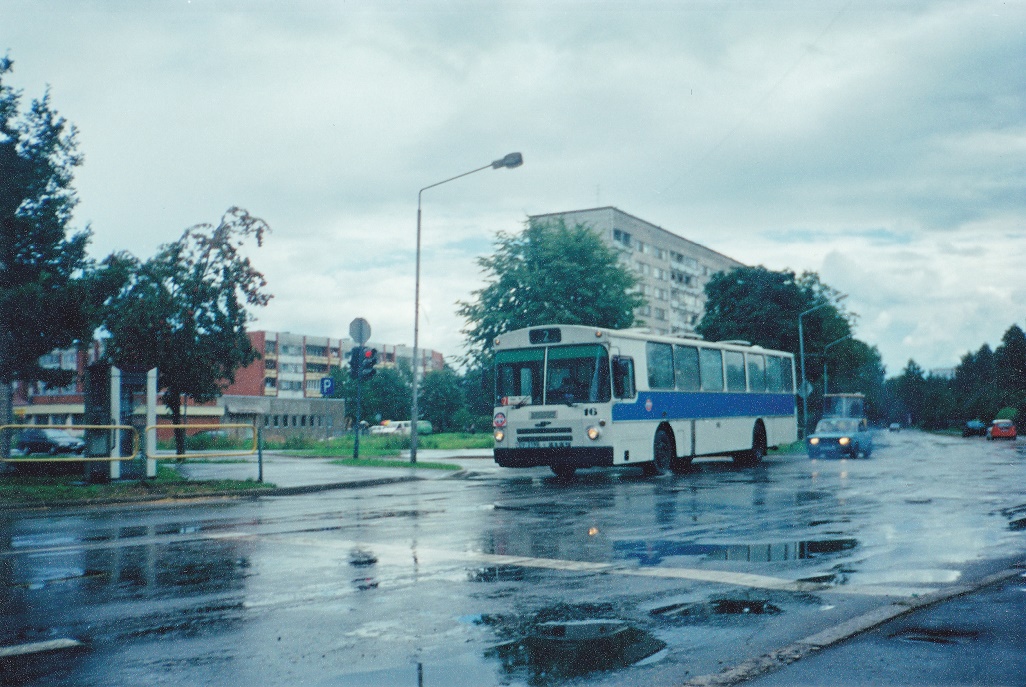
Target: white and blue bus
[571, 396]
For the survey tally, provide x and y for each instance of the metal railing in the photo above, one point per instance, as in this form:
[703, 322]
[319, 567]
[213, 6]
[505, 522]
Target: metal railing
[73, 458]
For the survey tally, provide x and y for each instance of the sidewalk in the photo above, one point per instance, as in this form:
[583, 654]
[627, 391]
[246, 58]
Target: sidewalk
[971, 634]
[298, 475]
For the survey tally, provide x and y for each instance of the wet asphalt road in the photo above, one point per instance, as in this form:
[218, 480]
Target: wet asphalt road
[470, 581]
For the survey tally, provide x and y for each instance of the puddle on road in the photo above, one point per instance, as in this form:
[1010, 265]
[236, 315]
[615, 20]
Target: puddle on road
[380, 515]
[718, 607]
[930, 635]
[504, 573]
[653, 552]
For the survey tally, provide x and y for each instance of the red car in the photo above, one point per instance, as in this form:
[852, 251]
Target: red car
[1001, 429]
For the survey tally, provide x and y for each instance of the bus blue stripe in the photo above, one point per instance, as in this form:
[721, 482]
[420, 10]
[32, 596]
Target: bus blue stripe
[673, 405]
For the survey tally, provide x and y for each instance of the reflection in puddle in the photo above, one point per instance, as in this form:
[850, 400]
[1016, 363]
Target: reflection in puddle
[653, 552]
[556, 651]
[567, 641]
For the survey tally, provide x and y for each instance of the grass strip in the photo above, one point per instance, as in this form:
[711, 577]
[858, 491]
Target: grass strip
[28, 490]
[379, 463]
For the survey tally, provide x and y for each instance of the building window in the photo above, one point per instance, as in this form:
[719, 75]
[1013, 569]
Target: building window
[270, 364]
[660, 313]
[270, 347]
[317, 351]
[270, 383]
[316, 367]
[622, 237]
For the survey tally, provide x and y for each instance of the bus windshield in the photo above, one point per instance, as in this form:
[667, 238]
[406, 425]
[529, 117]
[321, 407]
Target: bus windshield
[574, 374]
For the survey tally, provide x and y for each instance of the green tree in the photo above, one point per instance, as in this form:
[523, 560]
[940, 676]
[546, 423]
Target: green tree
[1010, 362]
[763, 306]
[548, 274]
[975, 387]
[50, 292]
[184, 311]
[441, 398]
[908, 394]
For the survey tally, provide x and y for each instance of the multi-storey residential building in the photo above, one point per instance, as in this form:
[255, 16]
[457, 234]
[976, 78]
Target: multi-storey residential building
[281, 390]
[292, 365]
[673, 270]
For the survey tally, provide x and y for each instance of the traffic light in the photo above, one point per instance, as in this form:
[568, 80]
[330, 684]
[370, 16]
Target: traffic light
[370, 359]
[355, 361]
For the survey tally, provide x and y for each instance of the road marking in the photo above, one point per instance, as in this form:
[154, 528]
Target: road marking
[424, 554]
[39, 647]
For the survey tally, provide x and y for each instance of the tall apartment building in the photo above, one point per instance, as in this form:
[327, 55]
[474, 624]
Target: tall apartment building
[673, 270]
[293, 364]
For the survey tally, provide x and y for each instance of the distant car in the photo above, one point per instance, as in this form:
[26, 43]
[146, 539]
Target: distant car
[894, 427]
[974, 428]
[1001, 429]
[49, 441]
[845, 437]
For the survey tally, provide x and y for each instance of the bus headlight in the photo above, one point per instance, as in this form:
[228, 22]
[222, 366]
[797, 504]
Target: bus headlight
[594, 433]
[814, 441]
[499, 435]
[844, 441]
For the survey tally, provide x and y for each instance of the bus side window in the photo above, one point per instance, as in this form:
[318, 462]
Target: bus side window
[756, 372]
[775, 374]
[660, 365]
[623, 377]
[710, 361]
[735, 371]
[685, 362]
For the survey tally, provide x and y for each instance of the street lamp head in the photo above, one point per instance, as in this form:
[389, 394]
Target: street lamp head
[512, 160]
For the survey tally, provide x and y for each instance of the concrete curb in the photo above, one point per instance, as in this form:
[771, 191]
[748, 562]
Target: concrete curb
[779, 658]
[179, 499]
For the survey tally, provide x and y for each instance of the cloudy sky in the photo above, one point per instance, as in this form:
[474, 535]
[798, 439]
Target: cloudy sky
[879, 144]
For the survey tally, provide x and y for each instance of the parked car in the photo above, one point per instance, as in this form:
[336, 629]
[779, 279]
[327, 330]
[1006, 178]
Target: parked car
[841, 437]
[1001, 429]
[50, 441]
[894, 427]
[974, 428]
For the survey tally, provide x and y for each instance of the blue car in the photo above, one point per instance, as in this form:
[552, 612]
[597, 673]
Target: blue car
[840, 437]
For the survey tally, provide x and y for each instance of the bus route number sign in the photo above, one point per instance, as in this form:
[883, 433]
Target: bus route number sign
[545, 336]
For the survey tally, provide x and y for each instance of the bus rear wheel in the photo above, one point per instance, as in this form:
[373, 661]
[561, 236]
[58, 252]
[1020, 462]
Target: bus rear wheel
[755, 455]
[663, 454]
[564, 471]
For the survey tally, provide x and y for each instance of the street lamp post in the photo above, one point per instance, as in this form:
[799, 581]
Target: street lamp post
[825, 349]
[509, 162]
[801, 356]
